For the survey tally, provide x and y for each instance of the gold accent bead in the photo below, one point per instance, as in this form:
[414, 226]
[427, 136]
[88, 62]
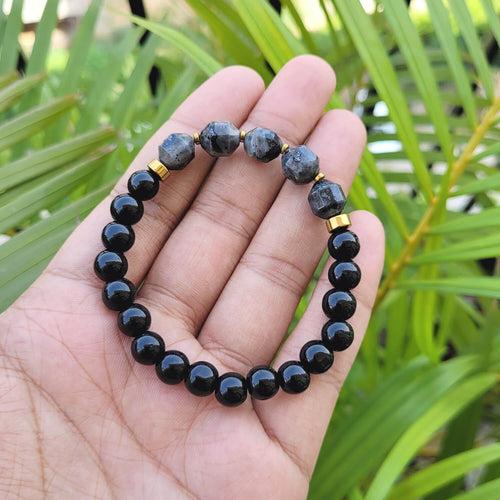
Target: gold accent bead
[196, 137]
[284, 148]
[342, 220]
[159, 169]
[319, 177]
[242, 135]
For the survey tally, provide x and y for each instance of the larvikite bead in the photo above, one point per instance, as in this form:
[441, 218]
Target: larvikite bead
[220, 138]
[262, 144]
[326, 199]
[300, 164]
[176, 151]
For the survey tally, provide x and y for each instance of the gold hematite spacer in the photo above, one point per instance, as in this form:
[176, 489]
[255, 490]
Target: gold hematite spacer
[284, 148]
[196, 137]
[159, 169]
[319, 177]
[342, 220]
[242, 135]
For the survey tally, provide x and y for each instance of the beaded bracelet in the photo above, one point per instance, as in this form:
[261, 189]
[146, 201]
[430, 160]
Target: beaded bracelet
[327, 201]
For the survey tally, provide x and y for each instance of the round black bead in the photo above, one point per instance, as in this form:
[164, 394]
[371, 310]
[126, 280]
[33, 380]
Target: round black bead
[118, 237]
[201, 378]
[262, 382]
[316, 357]
[134, 321]
[125, 209]
[118, 295]
[339, 305]
[293, 377]
[143, 185]
[343, 245]
[173, 367]
[148, 348]
[344, 275]
[110, 266]
[231, 389]
[337, 335]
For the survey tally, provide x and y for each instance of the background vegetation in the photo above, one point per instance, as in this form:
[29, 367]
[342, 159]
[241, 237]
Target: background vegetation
[419, 416]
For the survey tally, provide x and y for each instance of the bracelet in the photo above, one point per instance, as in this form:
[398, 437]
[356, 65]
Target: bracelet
[326, 200]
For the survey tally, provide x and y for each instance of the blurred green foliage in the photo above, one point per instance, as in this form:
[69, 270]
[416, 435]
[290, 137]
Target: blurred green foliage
[419, 413]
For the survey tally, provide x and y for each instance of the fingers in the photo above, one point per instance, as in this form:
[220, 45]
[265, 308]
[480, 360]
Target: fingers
[201, 254]
[231, 93]
[255, 309]
[299, 421]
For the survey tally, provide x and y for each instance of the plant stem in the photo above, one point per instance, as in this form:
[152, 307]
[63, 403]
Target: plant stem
[437, 202]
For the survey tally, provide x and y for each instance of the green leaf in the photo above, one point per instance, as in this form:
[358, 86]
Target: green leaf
[486, 491]
[480, 286]
[424, 428]
[396, 12]
[306, 36]
[13, 92]
[489, 183]
[34, 120]
[371, 50]
[493, 150]
[9, 48]
[8, 78]
[492, 18]
[424, 482]
[489, 217]
[202, 59]
[444, 33]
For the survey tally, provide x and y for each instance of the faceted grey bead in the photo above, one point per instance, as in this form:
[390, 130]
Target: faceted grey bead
[176, 151]
[300, 164]
[220, 138]
[262, 144]
[326, 199]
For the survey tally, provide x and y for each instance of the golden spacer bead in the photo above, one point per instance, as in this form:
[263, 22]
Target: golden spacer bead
[342, 220]
[159, 169]
[196, 137]
[242, 135]
[319, 177]
[284, 148]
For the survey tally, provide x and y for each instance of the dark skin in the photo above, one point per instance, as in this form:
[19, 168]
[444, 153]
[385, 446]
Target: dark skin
[225, 250]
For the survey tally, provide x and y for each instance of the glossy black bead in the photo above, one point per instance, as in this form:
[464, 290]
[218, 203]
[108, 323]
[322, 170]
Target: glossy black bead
[343, 245]
[315, 357]
[134, 321]
[126, 209]
[110, 266]
[148, 348]
[337, 335]
[143, 185]
[231, 389]
[344, 275]
[339, 305]
[173, 367]
[262, 382]
[201, 378]
[293, 377]
[118, 237]
[118, 295]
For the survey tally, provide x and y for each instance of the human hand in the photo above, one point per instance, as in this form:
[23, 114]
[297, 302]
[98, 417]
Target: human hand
[225, 251]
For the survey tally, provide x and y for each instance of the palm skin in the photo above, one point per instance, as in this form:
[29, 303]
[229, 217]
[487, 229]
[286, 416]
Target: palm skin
[224, 253]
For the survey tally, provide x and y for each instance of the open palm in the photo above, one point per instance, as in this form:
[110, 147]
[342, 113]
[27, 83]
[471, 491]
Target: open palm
[224, 252]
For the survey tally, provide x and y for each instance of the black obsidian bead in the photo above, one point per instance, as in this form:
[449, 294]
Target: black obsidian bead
[231, 389]
[143, 185]
[118, 295]
[344, 275]
[201, 378]
[110, 266]
[262, 382]
[134, 321]
[315, 357]
[173, 367]
[125, 209]
[339, 305]
[343, 245]
[118, 237]
[148, 348]
[293, 377]
[337, 335]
